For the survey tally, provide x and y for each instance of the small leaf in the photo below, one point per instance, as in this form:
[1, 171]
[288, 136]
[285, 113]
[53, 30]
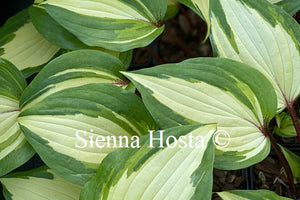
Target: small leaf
[172, 9]
[250, 195]
[151, 172]
[38, 184]
[14, 149]
[294, 162]
[117, 25]
[213, 90]
[285, 126]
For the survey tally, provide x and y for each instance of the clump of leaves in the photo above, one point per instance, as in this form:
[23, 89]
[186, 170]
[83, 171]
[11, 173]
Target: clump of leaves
[83, 92]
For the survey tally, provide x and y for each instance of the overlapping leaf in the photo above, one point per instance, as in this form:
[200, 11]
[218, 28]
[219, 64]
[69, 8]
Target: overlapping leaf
[263, 36]
[14, 150]
[21, 44]
[70, 102]
[52, 31]
[116, 24]
[38, 184]
[290, 6]
[172, 172]
[213, 90]
[59, 36]
[74, 69]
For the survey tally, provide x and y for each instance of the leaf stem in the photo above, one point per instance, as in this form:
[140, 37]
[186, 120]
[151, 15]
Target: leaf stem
[284, 163]
[179, 43]
[120, 82]
[290, 108]
[154, 55]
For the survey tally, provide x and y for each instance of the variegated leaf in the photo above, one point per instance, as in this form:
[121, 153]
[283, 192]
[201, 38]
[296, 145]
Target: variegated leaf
[263, 36]
[172, 172]
[116, 24]
[38, 184]
[14, 149]
[73, 99]
[59, 36]
[201, 7]
[125, 57]
[21, 44]
[213, 90]
[52, 31]
[73, 69]
[75, 128]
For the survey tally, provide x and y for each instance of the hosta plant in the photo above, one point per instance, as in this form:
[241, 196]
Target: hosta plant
[104, 131]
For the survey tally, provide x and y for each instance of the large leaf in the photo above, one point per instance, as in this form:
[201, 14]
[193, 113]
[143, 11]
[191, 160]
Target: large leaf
[118, 25]
[213, 90]
[125, 57]
[201, 7]
[38, 184]
[67, 127]
[21, 44]
[73, 69]
[14, 150]
[59, 36]
[62, 109]
[52, 31]
[263, 36]
[151, 172]
[250, 195]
